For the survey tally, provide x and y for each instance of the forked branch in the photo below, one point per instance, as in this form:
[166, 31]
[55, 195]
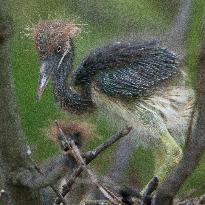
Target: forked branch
[85, 159]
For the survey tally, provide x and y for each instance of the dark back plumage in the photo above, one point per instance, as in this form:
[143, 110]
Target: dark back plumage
[127, 69]
[122, 69]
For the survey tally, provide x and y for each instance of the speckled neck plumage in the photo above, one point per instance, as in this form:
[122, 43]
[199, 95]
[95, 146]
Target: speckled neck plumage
[68, 98]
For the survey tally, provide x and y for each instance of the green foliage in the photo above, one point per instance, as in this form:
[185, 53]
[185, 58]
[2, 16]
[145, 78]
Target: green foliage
[142, 158]
[121, 15]
[196, 180]
[34, 116]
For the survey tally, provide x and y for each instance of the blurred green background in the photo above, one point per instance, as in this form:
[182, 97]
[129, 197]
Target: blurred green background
[102, 21]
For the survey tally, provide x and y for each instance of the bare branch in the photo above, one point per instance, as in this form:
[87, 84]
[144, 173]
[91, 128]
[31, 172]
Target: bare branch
[193, 151]
[128, 194]
[151, 187]
[13, 155]
[76, 153]
[27, 179]
[89, 156]
[63, 142]
[93, 154]
[96, 202]
[58, 169]
[52, 187]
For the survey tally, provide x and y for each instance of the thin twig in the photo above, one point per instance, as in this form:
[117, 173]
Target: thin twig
[76, 153]
[62, 139]
[96, 202]
[58, 194]
[89, 156]
[151, 187]
[129, 195]
[93, 154]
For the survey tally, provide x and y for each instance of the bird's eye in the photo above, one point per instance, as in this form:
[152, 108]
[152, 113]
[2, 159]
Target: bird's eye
[59, 49]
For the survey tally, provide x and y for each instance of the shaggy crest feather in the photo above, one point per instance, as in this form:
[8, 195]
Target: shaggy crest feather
[49, 34]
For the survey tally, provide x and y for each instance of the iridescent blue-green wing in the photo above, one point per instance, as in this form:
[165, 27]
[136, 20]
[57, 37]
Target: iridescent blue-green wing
[128, 69]
[140, 77]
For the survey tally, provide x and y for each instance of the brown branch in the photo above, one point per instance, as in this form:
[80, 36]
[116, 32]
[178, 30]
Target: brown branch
[96, 202]
[89, 156]
[27, 179]
[76, 153]
[194, 149]
[63, 142]
[53, 171]
[131, 196]
[58, 194]
[13, 154]
[93, 154]
[151, 187]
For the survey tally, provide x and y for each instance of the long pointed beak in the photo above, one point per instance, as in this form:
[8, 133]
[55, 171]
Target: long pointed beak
[45, 72]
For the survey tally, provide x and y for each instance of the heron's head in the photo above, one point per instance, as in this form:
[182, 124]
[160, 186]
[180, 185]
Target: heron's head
[53, 41]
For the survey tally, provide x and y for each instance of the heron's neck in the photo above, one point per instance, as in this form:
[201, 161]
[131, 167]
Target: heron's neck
[66, 95]
[70, 99]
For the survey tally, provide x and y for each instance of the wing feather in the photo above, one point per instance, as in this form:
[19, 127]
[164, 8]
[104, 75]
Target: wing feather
[127, 69]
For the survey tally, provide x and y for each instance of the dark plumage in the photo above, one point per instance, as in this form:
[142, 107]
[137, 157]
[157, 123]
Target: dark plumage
[127, 69]
[116, 77]
[122, 69]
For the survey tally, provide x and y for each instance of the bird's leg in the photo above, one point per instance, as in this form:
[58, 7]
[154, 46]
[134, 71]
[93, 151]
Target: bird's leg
[170, 151]
[172, 155]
